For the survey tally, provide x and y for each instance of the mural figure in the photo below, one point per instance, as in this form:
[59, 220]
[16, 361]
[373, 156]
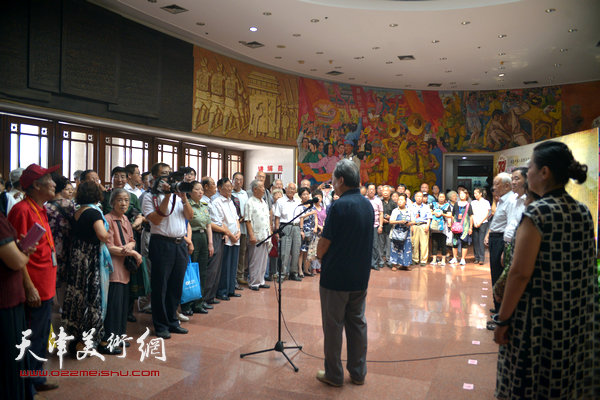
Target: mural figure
[215, 116]
[202, 103]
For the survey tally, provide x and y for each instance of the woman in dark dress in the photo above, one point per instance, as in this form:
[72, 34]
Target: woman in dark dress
[83, 306]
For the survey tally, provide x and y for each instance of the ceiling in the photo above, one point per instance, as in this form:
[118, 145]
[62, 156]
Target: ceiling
[458, 44]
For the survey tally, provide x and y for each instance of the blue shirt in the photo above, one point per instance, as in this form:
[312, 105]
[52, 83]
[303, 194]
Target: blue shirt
[349, 226]
[420, 214]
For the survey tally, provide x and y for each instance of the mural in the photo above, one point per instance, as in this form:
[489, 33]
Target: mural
[399, 136]
[240, 101]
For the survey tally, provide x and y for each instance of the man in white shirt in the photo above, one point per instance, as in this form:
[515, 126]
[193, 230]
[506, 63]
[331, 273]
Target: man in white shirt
[134, 180]
[481, 212]
[225, 209]
[240, 198]
[167, 214]
[519, 187]
[494, 239]
[256, 215]
[286, 209]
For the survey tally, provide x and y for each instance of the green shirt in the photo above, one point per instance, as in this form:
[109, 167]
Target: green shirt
[201, 217]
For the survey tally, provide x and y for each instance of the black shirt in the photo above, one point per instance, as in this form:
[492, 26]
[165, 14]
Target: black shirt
[83, 228]
[349, 226]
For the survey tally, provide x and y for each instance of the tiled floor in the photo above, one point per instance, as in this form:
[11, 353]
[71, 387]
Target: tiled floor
[418, 322]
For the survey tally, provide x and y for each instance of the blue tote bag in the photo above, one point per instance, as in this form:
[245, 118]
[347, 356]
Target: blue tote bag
[191, 283]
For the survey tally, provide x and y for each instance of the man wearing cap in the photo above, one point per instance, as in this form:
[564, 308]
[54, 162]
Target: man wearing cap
[39, 278]
[15, 195]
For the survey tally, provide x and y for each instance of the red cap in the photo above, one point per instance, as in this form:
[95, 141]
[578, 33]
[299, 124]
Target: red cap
[33, 173]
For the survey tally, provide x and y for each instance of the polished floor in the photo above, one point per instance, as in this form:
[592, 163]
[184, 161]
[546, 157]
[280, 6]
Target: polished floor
[427, 340]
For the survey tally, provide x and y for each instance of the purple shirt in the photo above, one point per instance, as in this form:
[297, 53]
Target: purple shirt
[377, 209]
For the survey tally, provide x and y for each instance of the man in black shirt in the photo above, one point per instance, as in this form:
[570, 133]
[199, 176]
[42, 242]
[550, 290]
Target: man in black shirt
[345, 250]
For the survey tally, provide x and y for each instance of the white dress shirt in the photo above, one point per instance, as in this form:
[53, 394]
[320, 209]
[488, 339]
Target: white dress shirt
[498, 224]
[227, 213]
[287, 209]
[481, 209]
[173, 226]
[242, 196]
[257, 213]
[137, 191]
[514, 218]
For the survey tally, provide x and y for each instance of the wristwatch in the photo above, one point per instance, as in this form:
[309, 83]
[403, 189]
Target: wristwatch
[498, 322]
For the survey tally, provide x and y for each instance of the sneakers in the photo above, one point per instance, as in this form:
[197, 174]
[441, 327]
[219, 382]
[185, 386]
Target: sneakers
[453, 261]
[433, 263]
[442, 263]
[182, 317]
[462, 262]
[323, 378]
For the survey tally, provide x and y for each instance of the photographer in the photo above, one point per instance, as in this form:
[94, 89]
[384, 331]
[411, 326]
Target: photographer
[167, 213]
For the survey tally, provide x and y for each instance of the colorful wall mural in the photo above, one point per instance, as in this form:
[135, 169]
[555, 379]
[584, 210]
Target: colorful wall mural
[237, 100]
[399, 136]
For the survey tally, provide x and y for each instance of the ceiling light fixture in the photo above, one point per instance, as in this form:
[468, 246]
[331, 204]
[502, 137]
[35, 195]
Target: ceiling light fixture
[572, 30]
[557, 65]
[393, 25]
[564, 50]
[501, 74]
[278, 57]
[281, 46]
[319, 52]
[296, 35]
[200, 23]
[475, 84]
[375, 48]
[502, 36]
[266, 13]
[443, 58]
[389, 62]
[359, 58]
[314, 20]
[550, 10]
[501, 54]
[465, 22]
[338, 67]
[435, 41]
[448, 71]
[253, 29]
[399, 74]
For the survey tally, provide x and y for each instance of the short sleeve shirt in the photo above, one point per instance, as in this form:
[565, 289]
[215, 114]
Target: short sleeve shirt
[349, 226]
[12, 292]
[257, 213]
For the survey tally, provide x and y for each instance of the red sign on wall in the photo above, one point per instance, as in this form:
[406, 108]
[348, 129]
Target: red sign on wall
[280, 168]
[269, 168]
[260, 168]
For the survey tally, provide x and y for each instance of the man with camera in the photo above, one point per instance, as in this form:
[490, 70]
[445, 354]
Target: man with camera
[167, 209]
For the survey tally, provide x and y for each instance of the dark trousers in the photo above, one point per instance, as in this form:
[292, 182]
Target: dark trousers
[344, 310]
[169, 261]
[115, 321]
[229, 265]
[12, 386]
[376, 259]
[38, 320]
[438, 243]
[496, 245]
[213, 271]
[478, 236]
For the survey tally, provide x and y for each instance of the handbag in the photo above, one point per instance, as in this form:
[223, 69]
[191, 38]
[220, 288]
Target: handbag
[457, 226]
[191, 283]
[399, 233]
[130, 263]
[435, 226]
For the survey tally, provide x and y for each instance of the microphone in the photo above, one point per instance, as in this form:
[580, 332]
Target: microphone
[314, 200]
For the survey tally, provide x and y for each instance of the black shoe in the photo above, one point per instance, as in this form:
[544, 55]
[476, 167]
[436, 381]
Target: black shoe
[179, 330]
[238, 287]
[295, 278]
[207, 306]
[163, 334]
[224, 298]
[493, 311]
[199, 309]
[255, 288]
[268, 278]
[264, 286]
[234, 295]
[490, 326]
[104, 349]
[131, 318]
[212, 301]
[187, 313]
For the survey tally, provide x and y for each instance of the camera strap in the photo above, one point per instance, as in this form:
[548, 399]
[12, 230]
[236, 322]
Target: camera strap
[157, 206]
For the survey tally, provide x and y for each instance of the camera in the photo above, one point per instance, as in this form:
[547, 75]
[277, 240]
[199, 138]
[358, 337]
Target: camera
[175, 182]
[327, 186]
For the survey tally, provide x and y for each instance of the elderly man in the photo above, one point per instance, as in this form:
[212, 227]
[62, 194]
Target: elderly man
[227, 212]
[501, 187]
[257, 225]
[286, 209]
[134, 180]
[261, 176]
[384, 238]
[376, 261]
[240, 198]
[421, 214]
[345, 250]
[427, 198]
[39, 278]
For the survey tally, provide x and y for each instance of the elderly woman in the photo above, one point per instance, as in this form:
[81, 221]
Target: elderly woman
[463, 214]
[202, 241]
[401, 252]
[548, 324]
[119, 228]
[85, 298]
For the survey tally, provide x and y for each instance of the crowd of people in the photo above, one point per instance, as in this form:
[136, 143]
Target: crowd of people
[105, 251]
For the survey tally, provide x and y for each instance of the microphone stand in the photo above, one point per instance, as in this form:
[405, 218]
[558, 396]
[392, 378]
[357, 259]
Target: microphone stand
[279, 346]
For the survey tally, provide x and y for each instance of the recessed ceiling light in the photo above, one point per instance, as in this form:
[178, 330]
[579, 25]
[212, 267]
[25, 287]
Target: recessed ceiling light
[393, 25]
[475, 84]
[557, 65]
[389, 62]
[319, 52]
[296, 35]
[253, 29]
[564, 50]
[151, 1]
[550, 10]
[278, 57]
[435, 41]
[443, 58]
[448, 71]
[359, 58]
[375, 48]
[281, 46]
[502, 36]
[314, 20]
[501, 54]
[465, 22]
[501, 67]
[572, 30]
[399, 74]
[267, 13]
[501, 74]
[464, 158]
[200, 23]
